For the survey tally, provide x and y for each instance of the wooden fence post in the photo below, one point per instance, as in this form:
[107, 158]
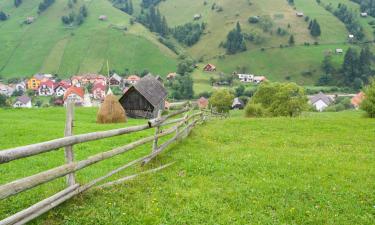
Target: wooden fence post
[157, 130]
[69, 154]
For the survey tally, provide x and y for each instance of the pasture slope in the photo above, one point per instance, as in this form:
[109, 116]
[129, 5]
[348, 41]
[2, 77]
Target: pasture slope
[315, 169]
[48, 46]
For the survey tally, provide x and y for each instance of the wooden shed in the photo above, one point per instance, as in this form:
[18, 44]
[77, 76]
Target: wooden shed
[145, 98]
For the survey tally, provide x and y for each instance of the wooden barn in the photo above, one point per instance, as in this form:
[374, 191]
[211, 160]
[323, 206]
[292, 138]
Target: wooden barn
[145, 98]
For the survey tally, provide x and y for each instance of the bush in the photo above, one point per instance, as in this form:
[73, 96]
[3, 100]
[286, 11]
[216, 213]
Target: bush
[221, 100]
[280, 99]
[254, 110]
[368, 103]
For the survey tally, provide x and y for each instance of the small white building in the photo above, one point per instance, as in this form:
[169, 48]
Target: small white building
[320, 101]
[246, 78]
[22, 102]
[351, 36]
[339, 51]
[364, 14]
[259, 79]
[6, 90]
[299, 14]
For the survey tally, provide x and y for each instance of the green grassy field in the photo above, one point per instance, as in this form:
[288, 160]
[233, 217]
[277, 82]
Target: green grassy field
[315, 169]
[50, 47]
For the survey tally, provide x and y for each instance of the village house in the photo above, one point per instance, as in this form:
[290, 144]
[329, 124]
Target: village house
[299, 14]
[29, 20]
[46, 88]
[75, 95]
[21, 86]
[82, 80]
[364, 14]
[246, 78]
[209, 68]
[98, 91]
[238, 104]
[22, 102]
[351, 36]
[115, 80]
[33, 83]
[356, 101]
[61, 87]
[259, 79]
[202, 103]
[197, 16]
[103, 17]
[171, 76]
[6, 90]
[320, 101]
[339, 51]
[145, 98]
[132, 79]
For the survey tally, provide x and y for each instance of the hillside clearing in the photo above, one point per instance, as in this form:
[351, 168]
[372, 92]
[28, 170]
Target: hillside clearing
[316, 169]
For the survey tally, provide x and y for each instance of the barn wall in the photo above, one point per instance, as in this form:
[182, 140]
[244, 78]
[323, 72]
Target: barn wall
[136, 106]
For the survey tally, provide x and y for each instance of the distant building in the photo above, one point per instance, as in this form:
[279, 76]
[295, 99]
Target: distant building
[82, 80]
[351, 36]
[21, 86]
[6, 90]
[33, 83]
[209, 68]
[46, 88]
[22, 102]
[145, 98]
[246, 78]
[364, 14]
[238, 104]
[29, 20]
[74, 94]
[203, 103]
[259, 79]
[357, 99]
[320, 101]
[61, 87]
[98, 91]
[197, 16]
[103, 17]
[171, 76]
[299, 14]
[133, 79]
[115, 80]
[339, 51]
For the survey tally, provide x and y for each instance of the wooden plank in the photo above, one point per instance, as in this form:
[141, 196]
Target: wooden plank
[157, 121]
[157, 130]
[26, 183]
[69, 155]
[127, 178]
[26, 212]
[34, 149]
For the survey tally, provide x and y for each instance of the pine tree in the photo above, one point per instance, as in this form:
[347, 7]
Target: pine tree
[131, 9]
[17, 3]
[315, 29]
[350, 66]
[365, 61]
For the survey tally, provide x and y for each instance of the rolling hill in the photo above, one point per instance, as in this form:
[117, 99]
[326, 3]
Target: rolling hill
[49, 46]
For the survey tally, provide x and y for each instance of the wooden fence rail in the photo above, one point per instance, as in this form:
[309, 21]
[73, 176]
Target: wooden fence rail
[181, 127]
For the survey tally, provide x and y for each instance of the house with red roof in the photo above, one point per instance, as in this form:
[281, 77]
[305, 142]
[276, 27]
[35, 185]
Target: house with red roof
[74, 94]
[132, 79]
[358, 99]
[209, 68]
[46, 88]
[98, 91]
[203, 103]
[82, 80]
[61, 87]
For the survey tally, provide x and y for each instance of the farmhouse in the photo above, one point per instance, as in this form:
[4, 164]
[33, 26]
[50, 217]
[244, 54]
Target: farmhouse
[46, 88]
[98, 91]
[29, 20]
[103, 17]
[171, 76]
[320, 101]
[203, 103]
[197, 16]
[33, 83]
[339, 51]
[299, 14]
[246, 78]
[6, 90]
[115, 80]
[22, 102]
[209, 68]
[238, 104]
[61, 87]
[21, 86]
[145, 98]
[357, 100]
[74, 94]
[131, 80]
[364, 14]
[259, 79]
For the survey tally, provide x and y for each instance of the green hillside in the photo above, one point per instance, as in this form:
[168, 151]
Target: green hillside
[48, 46]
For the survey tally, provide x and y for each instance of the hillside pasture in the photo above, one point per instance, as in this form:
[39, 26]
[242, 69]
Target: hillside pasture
[315, 169]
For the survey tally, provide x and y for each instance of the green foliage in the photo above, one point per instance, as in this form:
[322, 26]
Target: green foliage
[3, 101]
[221, 100]
[291, 40]
[341, 104]
[235, 41]
[17, 3]
[124, 5]
[255, 110]
[188, 34]
[350, 20]
[3, 16]
[154, 21]
[314, 28]
[368, 103]
[181, 87]
[44, 5]
[280, 99]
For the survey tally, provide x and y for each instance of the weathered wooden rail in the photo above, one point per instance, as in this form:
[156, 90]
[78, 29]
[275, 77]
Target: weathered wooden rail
[180, 127]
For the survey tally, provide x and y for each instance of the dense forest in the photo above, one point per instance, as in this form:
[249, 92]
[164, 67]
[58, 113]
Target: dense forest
[367, 6]
[188, 34]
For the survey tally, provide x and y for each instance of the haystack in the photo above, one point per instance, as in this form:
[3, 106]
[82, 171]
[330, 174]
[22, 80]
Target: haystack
[111, 111]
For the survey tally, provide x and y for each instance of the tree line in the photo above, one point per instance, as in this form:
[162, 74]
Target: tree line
[17, 3]
[74, 18]
[188, 34]
[355, 72]
[350, 20]
[154, 21]
[44, 5]
[124, 5]
[149, 3]
[235, 41]
[366, 6]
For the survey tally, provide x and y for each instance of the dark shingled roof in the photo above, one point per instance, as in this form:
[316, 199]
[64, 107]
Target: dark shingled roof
[23, 99]
[151, 89]
[326, 99]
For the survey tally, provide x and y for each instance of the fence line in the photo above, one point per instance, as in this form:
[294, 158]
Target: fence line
[181, 128]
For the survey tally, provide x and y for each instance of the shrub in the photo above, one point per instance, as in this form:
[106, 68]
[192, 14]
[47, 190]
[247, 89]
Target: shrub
[368, 103]
[254, 110]
[221, 100]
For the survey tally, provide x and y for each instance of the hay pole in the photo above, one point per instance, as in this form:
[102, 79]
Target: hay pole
[127, 178]
[26, 183]
[69, 154]
[26, 212]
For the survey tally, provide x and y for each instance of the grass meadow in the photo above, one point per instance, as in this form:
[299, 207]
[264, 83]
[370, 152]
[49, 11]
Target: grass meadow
[314, 169]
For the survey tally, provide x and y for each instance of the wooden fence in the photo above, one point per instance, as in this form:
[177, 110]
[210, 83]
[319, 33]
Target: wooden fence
[180, 127]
